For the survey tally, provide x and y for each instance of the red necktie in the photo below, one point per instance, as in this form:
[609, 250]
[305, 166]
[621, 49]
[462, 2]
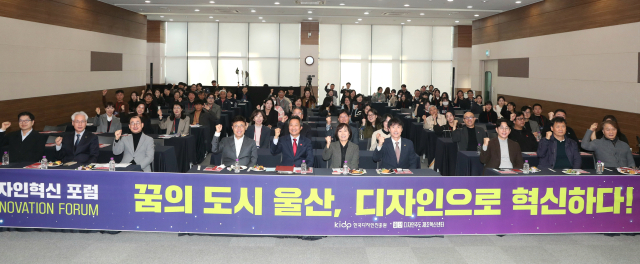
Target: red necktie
[295, 147]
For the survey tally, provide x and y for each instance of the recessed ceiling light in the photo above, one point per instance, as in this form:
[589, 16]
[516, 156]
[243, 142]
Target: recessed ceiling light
[264, 21]
[310, 18]
[341, 3]
[217, 20]
[476, 15]
[518, 2]
[161, 16]
[147, 2]
[310, 12]
[469, 6]
[210, 17]
[422, 14]
[277, 3]
[457, 21]
[197, 10]
[407, 5]
[253, 11]
[357, 22]
[401, 23]
[170, 19]
[450, 0]
[408, 20]
[366, 13]
[212, 2]
[259, 17]
[359, 19]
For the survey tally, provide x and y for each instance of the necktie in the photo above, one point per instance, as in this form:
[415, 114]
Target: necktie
[398, 152]
[77, 140]
[295, 147]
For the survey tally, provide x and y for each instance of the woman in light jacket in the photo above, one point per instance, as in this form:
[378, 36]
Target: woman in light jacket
[342, 150]
[177, 119]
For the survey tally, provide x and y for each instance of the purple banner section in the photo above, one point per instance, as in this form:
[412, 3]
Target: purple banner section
[317, 205]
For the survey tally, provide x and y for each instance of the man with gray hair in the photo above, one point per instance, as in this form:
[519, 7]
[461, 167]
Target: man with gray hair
[80, 146]
[433, 118]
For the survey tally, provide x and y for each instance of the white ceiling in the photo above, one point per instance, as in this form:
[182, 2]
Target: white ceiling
[434, 12]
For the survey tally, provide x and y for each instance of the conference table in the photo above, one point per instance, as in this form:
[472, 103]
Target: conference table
[318, 172]
[22, 165]
[445, 160]
[553, 172]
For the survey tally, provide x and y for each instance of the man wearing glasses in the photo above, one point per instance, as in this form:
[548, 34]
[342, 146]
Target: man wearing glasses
[469, 137]
[502, 152]
[138, 148]
[522, 136]
[25, 145]
[238, 146]
[80, 146]
[284, 125]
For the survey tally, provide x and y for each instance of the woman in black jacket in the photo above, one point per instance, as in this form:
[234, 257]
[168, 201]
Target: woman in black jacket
[327, 108]
[488, 115]
[403, 102]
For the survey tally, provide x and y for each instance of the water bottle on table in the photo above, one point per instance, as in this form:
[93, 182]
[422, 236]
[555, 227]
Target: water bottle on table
[479, 148]
[44, 163]
[112, 165]
[303, 167]
[525, 167]
[236, 167]
[599, 167]
[345, 168]
[5, 158]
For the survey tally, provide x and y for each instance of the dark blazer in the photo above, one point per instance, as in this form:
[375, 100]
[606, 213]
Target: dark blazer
[491, 157]
[355, 134]
[305, 132]
[304, 151]
[227, 105]
[387, 154]
[488, 117]
[206, 119]
[271, 118]
[324, 113]
[264, 136]
[462, 137]
[547, 152]
[475, 108]
[29, 150]
[248, 152]
[86, 151]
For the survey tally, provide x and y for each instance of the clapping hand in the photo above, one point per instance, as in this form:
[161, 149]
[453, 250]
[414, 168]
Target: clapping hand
[593, 127]
[6, 125]
[98, 110]
[58, 141]
[277, 133]
[218, 128]
[118, 134]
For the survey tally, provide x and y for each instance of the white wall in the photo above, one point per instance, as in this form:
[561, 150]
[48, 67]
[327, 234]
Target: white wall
[155, 55]
[594, 67]
[40, 59]
[201, 52]
[462, 63]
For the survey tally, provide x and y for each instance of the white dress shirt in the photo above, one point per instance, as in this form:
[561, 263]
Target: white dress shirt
[275, 140]
[238, 144]
[394, 145]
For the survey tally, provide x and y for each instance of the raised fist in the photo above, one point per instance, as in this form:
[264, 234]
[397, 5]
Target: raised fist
[512, 117]
[160, 113]
[550, 115]
[122, 108]
[58, 141]
[6, 125]
[549, 134]
[328, 139]
[380, 139]
[285, 118]
[593, 127]
[218, 128]
[271, 91]
[486, 141]
[98, 110]
[118, 134]
[104, 92]
[277, 132]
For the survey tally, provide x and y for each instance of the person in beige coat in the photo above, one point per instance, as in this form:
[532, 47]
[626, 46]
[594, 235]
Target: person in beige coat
[177, 122]
[384, 131]
[434, 118]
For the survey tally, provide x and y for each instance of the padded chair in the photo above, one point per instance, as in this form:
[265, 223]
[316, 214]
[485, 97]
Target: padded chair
[158, 142]
[106, 140]
[55, 128]
[492, 134]
[51, 139]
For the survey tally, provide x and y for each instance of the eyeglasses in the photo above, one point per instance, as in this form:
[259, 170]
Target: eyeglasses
[24, 121]
[469, 118]
[519, 118]
[80, 122]
[238, 126]
[503, 128]
[135, 124]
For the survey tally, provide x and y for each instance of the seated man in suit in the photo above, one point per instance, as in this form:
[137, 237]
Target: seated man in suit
[395, 152]
[568, 130]
[138, 148]
[293, 147]
[501, 152]
[108, 122]
[469, 137]
[238, 146]
[343, 118]
[80, 146]
[306, 129]
[557, 150]
[25, 145]
[213, 108]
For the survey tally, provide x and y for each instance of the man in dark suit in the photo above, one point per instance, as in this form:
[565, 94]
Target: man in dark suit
[306, 129]
[469, 137]
[26, 145]
[343, 118]
[568, 131]
[225, 103]
[501, 152]
[395, 152]
[293, 147]
[81, 146]
[237, 146]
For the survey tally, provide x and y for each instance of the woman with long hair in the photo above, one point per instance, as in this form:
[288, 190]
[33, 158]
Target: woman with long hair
[308, 101]
[327, 108]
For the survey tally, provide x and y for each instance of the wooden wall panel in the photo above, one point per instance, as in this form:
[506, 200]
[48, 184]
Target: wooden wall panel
[156, 31]
[90, 15]
[57, 109]
[517, 67]
[581, 117]
[106, 61]
[314, 29]
[462, 36]
[554, 16]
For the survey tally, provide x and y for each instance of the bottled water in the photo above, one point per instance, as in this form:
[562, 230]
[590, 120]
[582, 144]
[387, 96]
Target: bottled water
[236, 168]
[303, 167]
[5, 158]
[525, 167]
[44, 163]
[599, 167]
[112, 165]
[479, 148]
[345, 168]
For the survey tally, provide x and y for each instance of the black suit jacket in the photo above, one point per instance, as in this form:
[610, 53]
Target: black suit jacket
[264, 135]
[304, 151]
[305, 132]
[29, 150]
[387, 154]
[86, 151]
